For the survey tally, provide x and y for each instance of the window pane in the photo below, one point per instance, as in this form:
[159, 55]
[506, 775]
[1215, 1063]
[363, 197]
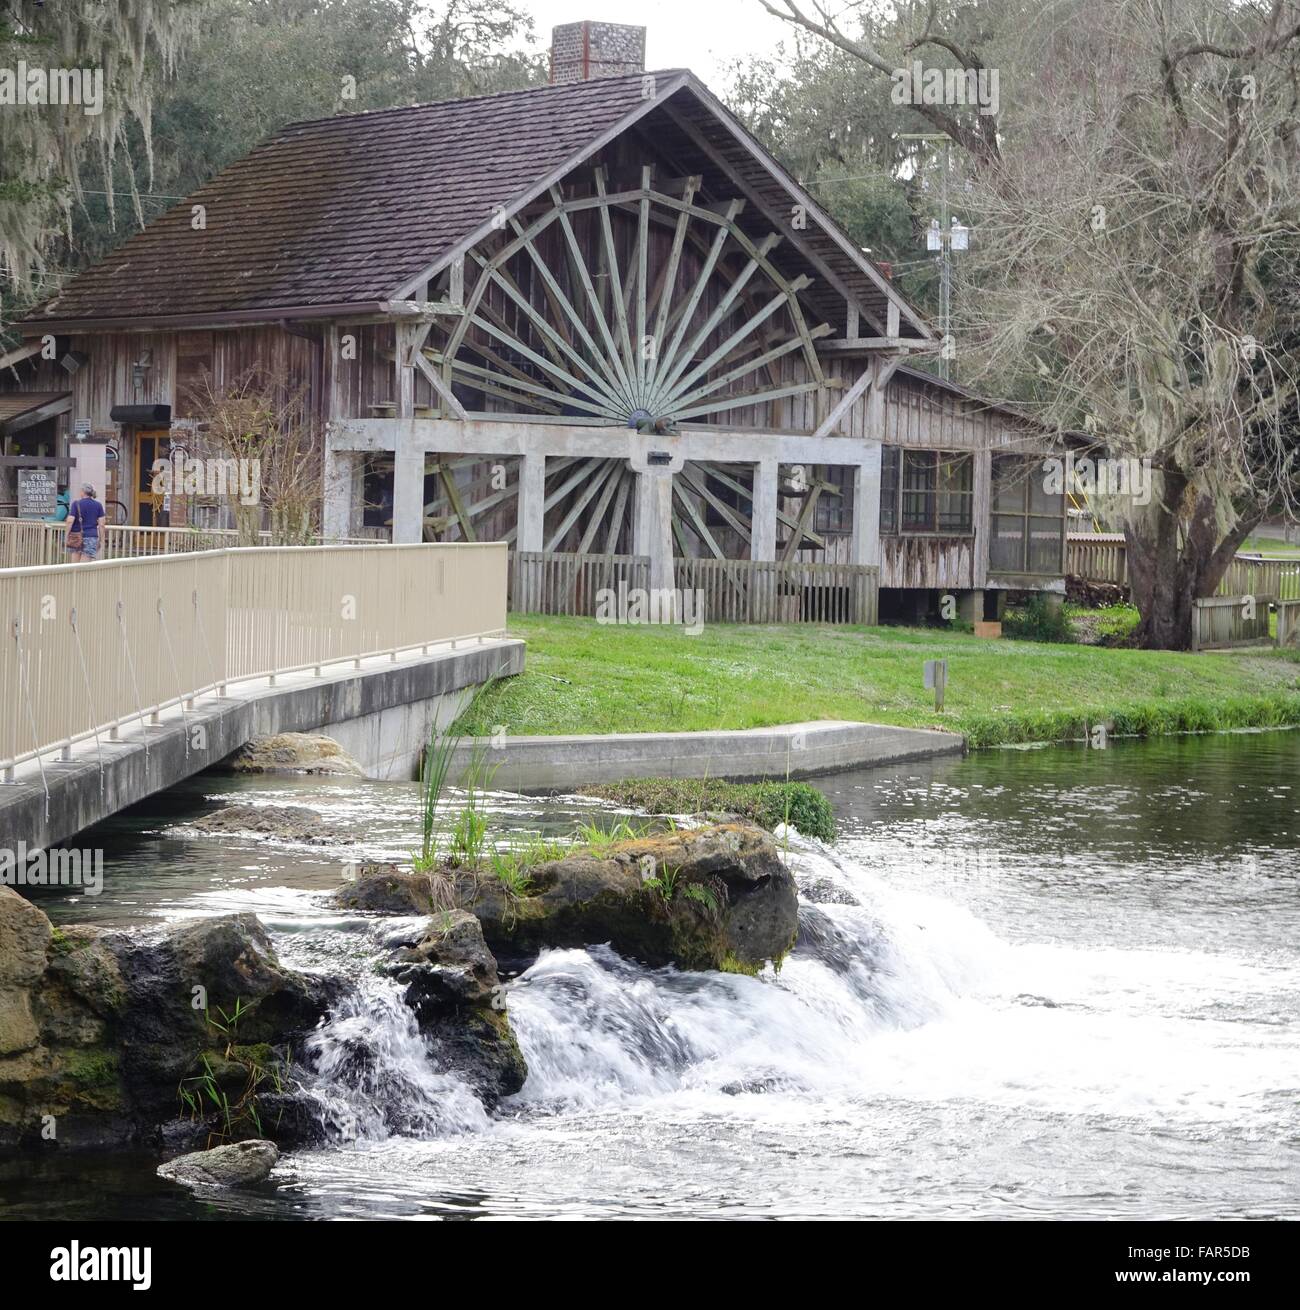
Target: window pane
[1045, 545]
[834, 513]
[956, 494]
[1007, 548]
[919, 471]
[1008, 484]
[1041, 501]
[889, 462]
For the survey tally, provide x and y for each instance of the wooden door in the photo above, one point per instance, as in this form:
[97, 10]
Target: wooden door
[151, 444]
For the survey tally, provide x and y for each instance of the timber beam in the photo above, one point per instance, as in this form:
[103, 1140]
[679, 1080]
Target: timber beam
[511, 437]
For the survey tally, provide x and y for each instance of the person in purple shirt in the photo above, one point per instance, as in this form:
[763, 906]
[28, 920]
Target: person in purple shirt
[84, 518]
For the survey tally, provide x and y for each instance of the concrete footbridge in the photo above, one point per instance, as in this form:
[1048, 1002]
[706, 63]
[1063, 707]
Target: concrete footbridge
[120, 678]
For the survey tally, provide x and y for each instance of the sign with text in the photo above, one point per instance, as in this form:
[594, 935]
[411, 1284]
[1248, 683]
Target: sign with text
[38, 493]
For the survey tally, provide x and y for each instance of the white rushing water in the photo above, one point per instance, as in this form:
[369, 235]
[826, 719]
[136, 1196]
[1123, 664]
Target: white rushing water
[898, 1018]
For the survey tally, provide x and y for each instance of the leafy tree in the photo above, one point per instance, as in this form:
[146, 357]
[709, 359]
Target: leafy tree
[44, 148]
[197, 84]
[264, 63]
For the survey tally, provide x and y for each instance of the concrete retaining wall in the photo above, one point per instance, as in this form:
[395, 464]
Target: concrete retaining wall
[797, 750]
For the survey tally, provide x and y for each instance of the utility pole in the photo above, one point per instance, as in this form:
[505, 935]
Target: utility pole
[943, 236]
[945, 263]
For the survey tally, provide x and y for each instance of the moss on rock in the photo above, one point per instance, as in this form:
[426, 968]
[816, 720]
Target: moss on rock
[689, 898]
[768, 804]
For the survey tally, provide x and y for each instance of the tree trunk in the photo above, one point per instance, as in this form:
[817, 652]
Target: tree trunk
[1174, 562]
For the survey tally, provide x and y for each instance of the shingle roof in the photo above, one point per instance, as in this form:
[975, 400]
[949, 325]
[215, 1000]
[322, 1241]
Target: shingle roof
[348, 211]
[343, 210]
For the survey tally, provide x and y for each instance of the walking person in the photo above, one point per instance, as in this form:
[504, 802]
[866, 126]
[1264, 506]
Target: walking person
[83, 526]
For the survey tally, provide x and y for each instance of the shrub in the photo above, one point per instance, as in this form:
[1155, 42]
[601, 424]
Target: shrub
[768, 804]
[1037, 620]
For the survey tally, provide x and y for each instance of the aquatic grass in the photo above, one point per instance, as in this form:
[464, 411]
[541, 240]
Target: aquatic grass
[435, 767]
[598, 837]
[511, 866]
[469, 833]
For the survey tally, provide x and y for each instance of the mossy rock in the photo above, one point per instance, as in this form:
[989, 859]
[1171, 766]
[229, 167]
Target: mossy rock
[767, 804]
[637, 896]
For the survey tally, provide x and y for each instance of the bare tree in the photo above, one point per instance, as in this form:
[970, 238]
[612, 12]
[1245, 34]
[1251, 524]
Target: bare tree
[1137, 249]
[262, 450]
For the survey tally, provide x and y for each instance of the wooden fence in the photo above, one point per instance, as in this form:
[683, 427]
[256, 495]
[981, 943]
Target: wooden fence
[1103, 557]
[1220, 622]
[729, 591]
[761, 591]
[1288, 623]
[563, 582]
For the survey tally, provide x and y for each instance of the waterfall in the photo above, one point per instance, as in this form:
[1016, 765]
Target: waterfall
[372, 1077]
[595, 1028]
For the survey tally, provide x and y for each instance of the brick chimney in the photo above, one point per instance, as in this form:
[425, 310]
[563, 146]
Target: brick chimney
[583, 51]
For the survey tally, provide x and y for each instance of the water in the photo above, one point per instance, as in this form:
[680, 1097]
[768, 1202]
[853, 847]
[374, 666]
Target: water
[1030, 983]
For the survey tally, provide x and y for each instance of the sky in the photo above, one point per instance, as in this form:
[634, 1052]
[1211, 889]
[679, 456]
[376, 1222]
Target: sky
[702, 35]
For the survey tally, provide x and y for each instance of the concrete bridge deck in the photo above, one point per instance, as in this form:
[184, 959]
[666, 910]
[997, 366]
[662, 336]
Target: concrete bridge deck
[380, 713]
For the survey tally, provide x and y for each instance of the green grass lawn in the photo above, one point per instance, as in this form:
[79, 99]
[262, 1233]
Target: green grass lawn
[588, 677]
[1270, 546]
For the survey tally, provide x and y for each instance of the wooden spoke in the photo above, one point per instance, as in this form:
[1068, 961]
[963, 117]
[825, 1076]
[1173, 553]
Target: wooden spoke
[625, 307]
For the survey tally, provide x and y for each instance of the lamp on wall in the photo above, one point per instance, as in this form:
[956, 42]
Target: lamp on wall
[140, 368]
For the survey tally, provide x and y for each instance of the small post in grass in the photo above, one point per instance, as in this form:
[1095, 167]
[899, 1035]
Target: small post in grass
[936, 676]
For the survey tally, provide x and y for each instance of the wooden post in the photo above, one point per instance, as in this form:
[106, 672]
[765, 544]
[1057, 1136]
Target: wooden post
[936, 676]
[763, 529]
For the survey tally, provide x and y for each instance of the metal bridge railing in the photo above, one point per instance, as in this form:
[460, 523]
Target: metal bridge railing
[89, 648]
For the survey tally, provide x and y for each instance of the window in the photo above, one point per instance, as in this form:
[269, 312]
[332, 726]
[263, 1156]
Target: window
[926, 491]
[834, 514]
[1028, 520]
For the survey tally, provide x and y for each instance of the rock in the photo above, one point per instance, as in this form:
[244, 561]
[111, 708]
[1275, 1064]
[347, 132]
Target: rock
[239, 1165]
[96, 1045]
[24, 940]
[83, 989]
[25, 935]
[454, 991]
[822, 891]
[251, 1002]
[294, 752]
[710, 898]
[287, 822]
[385, 889]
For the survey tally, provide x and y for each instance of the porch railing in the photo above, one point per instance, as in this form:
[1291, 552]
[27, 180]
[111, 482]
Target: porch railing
[731, 591]
[1097, 557]
[85, 650]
